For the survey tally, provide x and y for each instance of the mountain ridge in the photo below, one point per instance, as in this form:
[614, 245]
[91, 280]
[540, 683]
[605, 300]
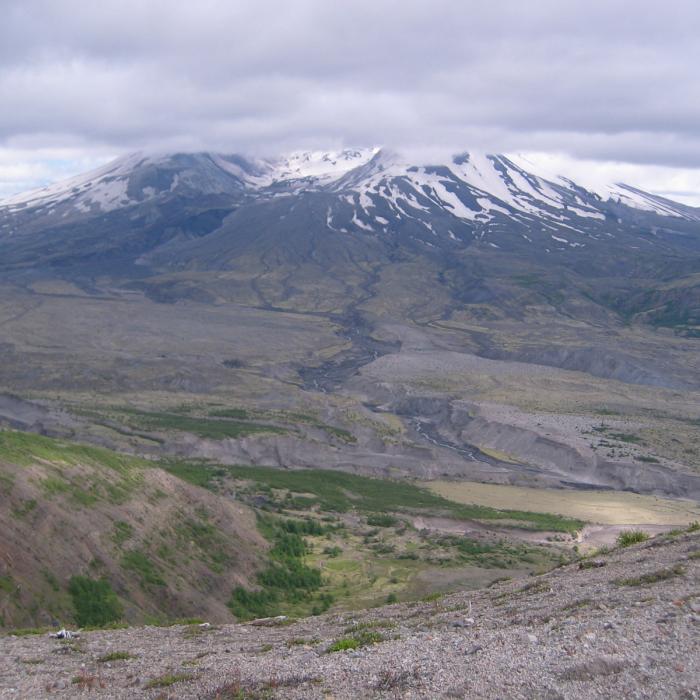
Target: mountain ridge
[371, 198]
[341, 170]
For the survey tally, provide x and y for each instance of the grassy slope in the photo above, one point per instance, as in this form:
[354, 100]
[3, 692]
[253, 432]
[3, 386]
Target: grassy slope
[171, 549]
[168, 548]
[367, 556]
[340, 491]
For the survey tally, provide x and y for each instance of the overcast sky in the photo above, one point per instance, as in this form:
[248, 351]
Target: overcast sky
[608, 86]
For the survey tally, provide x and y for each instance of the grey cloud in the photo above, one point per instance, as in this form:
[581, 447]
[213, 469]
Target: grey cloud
[602, 79]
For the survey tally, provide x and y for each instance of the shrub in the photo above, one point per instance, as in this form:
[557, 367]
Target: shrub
[95, 603]
[381, 520]
[115, 656]
[287, 579]
[168, 680]
[344, 644]
[140, 564]
[123, 531]
[362, 638]
[246, 605]
[308, 526]
[629, 537]
[653, 577]
[325, 600]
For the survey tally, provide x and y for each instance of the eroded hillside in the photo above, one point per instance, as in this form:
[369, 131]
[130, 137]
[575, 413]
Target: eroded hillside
[620, 624]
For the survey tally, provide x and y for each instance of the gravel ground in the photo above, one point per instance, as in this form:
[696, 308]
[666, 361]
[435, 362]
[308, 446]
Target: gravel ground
[572, 633]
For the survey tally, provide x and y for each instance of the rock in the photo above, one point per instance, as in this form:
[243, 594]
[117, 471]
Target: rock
[269, 621]
[592, 564]
[532, 638]
[548, 694]
[463, 623]
[593, 668]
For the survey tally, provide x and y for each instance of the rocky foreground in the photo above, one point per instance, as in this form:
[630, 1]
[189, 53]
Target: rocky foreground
[624, 624]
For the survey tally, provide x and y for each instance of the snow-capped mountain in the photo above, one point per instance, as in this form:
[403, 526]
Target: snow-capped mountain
[470, 186]
[138, 177]
[315, 167]
[145, 207]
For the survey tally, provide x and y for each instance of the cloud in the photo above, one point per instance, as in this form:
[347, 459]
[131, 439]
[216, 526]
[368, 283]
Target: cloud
[606, 79]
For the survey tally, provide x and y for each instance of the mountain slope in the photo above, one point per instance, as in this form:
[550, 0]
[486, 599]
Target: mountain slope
[623, 624]
[169, 550]
[470, 199]
[395, 298]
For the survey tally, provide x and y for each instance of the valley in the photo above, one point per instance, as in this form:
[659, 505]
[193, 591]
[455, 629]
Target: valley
[265, 394]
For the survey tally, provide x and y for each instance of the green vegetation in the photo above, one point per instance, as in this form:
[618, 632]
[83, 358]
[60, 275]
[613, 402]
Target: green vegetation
[237, 413]
[286, 580]
[362, 638]
[213, 547]
[7, 584]
[341, 492]
[340, 433]
[307, 526]
[24, 508]
[344, 644]
[138, 562]
[94, 601]
[369, 625]
[200, 474]
[653, 577]
[113, 478]
[382, 520]
[629, 537]
[25, 449]
[123, 531]
[169, 679]
[115, 656]
[51, 580]
[287, 417]
[212, 428]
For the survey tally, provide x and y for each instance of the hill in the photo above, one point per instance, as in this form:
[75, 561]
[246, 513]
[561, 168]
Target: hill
[621, 624]
[94, 537]
[168, 549]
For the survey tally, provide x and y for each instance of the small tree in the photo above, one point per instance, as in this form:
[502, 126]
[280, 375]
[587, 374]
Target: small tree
[95, 603]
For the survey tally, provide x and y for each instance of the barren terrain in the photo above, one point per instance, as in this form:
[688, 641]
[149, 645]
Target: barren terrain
[623, 624]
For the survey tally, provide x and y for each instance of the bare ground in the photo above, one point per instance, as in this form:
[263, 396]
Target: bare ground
[624, 625]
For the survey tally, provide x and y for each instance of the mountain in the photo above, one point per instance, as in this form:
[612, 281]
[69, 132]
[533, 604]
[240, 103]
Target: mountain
[208, 211]
[470, 199]
[146, 214]
[173, 325]
[397, 301]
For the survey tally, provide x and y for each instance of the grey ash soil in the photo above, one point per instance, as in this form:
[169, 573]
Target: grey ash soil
[625, 624]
